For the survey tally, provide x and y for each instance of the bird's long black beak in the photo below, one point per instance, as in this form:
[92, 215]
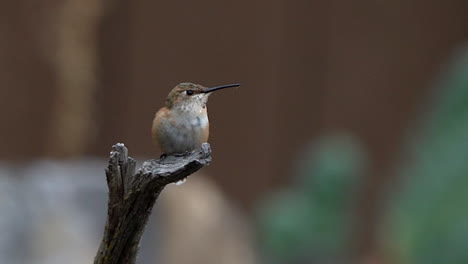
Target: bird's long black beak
[212, 89]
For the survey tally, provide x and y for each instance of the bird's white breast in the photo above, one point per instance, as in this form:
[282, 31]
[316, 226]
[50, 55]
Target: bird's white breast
[199, 121]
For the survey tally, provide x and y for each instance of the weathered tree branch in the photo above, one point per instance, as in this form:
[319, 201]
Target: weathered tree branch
[132, 196]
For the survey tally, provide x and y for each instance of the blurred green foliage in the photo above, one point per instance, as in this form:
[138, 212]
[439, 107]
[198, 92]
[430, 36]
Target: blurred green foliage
[428, 217]
[312, 219]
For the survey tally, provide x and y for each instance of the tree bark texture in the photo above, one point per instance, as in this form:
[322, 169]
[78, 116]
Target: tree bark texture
[132, 196]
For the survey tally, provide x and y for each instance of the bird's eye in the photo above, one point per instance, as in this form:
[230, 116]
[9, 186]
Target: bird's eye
[189, 92]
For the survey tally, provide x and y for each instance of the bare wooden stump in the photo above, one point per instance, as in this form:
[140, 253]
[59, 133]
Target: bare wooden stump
[132, 196]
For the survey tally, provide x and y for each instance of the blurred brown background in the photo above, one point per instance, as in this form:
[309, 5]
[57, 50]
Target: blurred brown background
[78, 76]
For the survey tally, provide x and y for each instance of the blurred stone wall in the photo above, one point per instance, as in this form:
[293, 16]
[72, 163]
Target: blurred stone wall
[54, 212]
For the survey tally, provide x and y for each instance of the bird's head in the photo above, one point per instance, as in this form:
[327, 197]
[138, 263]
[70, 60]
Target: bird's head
[187, 96]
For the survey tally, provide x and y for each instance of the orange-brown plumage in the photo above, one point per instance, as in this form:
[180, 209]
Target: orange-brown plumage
[162, 113]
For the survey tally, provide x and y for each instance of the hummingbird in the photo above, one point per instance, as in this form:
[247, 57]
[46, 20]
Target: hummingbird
[182, 125]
